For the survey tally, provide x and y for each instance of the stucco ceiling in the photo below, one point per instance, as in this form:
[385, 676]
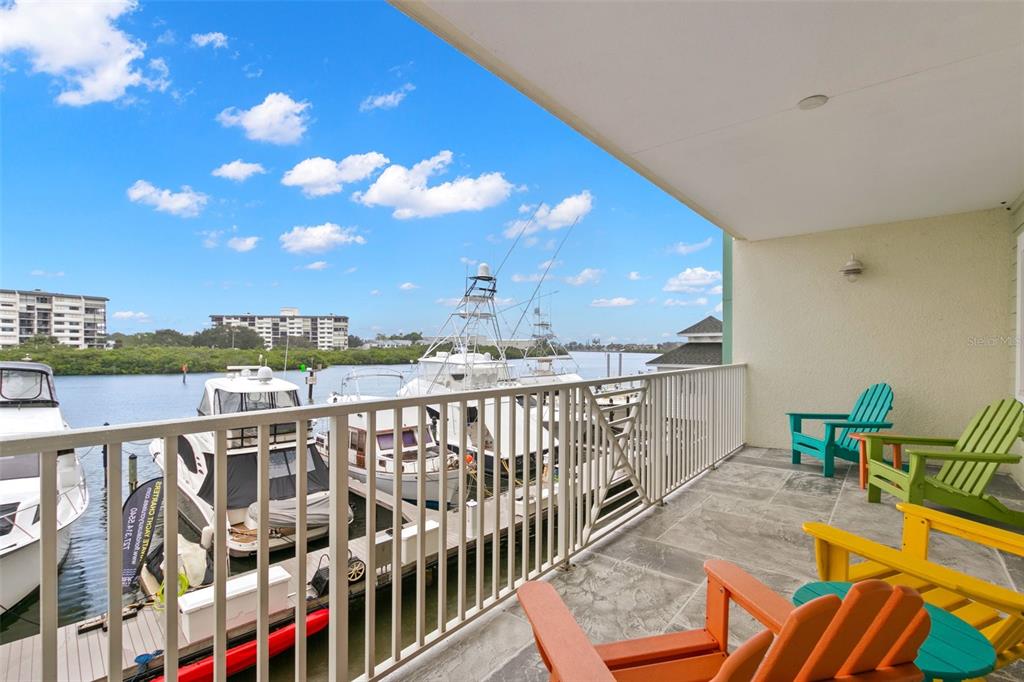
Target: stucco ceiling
[926, 115]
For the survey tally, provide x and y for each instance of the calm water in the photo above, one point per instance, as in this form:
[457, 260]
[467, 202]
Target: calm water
[95, 400]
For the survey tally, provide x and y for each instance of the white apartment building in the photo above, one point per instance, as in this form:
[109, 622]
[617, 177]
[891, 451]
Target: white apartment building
[74, 320]
[328, 332]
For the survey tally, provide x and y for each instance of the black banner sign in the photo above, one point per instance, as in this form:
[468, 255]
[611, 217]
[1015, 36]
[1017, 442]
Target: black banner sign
[139, 518]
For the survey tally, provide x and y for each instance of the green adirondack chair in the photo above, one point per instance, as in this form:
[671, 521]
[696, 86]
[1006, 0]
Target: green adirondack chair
[966, 469]
[867, 416]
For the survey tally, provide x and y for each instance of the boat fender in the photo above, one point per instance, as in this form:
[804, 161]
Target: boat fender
[206, 540]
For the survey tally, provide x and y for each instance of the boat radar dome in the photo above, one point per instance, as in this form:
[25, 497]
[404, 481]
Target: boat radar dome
[484, 270]
[264, 374]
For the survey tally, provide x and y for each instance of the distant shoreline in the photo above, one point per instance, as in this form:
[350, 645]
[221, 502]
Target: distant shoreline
[131, 360]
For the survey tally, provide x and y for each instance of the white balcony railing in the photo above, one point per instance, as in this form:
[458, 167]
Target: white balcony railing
[607, 450]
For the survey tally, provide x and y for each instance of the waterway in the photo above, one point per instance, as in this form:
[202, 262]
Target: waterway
[96, 400]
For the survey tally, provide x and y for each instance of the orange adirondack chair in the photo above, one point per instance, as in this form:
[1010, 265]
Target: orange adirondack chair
[871, 636]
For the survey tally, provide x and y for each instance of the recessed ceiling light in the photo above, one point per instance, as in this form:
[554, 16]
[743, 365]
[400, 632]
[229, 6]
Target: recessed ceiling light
[812, 102]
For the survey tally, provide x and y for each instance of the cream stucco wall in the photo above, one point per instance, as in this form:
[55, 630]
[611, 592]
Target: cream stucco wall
[929, 315]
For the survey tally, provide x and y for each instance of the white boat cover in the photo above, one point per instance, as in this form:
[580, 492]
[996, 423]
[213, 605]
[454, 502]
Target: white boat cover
[283, 513]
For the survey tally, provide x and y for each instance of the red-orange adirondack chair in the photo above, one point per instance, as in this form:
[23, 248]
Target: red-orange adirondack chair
[870, 636]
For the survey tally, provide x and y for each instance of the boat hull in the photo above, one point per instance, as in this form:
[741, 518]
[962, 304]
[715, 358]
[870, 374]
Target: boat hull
[19, 570]
[410, 485]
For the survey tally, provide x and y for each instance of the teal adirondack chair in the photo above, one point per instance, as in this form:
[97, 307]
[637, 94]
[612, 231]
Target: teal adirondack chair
[867, 416]
[966, 471]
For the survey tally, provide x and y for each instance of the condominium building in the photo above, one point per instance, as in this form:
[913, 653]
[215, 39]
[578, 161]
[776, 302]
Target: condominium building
[72, 319]
[328, 332]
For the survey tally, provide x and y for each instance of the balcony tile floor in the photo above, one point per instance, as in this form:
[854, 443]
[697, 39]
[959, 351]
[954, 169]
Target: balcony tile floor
[648, 577]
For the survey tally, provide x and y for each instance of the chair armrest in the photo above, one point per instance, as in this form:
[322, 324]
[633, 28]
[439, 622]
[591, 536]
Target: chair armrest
[999, 457]
[894, 439]
[756, 598]
[859, 425]
[979, 533]
[989, 594]
[563, 645]
[819, 415]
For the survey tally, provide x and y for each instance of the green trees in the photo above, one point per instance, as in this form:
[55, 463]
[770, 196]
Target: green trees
[228, 337]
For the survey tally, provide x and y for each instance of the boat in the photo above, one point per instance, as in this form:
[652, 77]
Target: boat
[243, 656]
[28, 404]
[250, 389]
[468, 354]
[402, 461]
[546, 359]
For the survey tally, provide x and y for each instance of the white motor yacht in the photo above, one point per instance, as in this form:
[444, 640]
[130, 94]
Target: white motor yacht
[28, 404]
[250, 389]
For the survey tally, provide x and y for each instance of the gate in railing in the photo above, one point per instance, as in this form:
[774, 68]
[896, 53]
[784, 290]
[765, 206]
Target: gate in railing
[525, 477]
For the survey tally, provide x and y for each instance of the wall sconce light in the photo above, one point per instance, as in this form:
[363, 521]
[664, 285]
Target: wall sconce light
[852, 269]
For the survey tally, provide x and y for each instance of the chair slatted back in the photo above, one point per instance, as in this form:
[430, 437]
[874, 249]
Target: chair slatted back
[873, 405]
[877, 626]
[993, 430]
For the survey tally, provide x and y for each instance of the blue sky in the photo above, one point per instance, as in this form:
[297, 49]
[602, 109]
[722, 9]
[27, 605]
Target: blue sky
[374, 164]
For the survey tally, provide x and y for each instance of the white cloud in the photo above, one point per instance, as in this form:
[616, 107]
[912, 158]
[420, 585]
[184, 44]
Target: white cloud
[317, 265]
[468, 261]
[166, 38]
[671, 302]
[242, 244]
[214, 38]
[252, 71]
[211, 238]
[136, 316]
[319, 238]
[543, 265]
[278, 119]
[689, 278]
[408, 286]
[617, 302]
[448, 302]
[47, 273]
[187, 203]
[635, 276]
[349, 271]
[319, 177]
[565, 213]
[532, 277]
[374, 292]
[715, 290]
[161, 79]
[78, 44]
[684, 249]
[718, 308]
[388, 100]
[238, 170]
[585, 276]
[406, 191]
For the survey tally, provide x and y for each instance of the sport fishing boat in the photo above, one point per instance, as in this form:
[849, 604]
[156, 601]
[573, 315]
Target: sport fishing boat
[468, 354]
[28, 404]
[250, 389]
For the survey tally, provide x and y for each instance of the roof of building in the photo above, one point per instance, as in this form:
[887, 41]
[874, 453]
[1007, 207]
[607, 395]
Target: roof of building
[709, 325]
[40, 292]
[691, 354]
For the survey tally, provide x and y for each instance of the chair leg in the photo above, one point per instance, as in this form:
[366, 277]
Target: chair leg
[874, 492]
[829, 462]
[796, 455]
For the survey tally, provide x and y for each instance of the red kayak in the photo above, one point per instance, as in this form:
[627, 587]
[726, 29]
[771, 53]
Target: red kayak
[243, 656]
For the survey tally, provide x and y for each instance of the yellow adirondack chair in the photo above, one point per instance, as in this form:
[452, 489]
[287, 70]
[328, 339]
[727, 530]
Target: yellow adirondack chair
[997, 612]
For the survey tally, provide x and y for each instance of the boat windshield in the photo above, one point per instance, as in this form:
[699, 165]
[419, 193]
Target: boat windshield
[243, 476]
[26, 386]
[227, 402]
[386, 441]
[19, 466]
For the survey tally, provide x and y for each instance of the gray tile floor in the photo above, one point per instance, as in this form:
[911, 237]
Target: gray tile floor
[648, 577]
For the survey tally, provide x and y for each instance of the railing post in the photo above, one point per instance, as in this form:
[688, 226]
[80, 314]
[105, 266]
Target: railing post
[170, 446]
[301, 500]
[337, 665]
[114, 567]
[263, 554]
[220, 555]
[563, 477]
[48, 563]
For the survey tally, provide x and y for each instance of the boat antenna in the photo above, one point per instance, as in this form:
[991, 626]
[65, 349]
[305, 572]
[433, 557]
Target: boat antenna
[519, 236]
[543, 277]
